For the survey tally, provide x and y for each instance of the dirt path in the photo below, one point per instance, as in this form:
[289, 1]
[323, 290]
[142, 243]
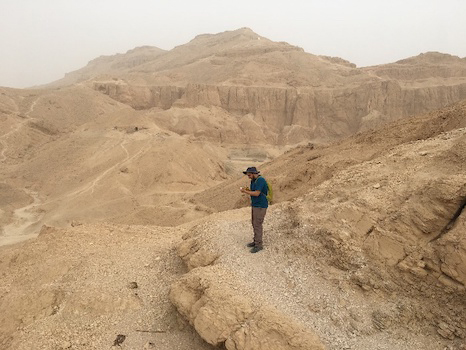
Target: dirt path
[24, 219]
[23, 225]
[4, 137]
[91, 186]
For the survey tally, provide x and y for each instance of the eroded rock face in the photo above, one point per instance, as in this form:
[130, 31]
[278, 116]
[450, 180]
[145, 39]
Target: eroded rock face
[141, 97]
[325, 113]
[446, 258]
[409, 216]
[222, 316]
[195, 254]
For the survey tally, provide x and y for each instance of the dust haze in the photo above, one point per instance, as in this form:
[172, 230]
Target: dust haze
[42, 40]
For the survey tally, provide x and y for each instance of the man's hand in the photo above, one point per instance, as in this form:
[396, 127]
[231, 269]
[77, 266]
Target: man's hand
[249, 192]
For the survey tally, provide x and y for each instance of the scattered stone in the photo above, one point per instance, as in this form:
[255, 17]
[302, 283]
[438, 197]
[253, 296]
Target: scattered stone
[133, 285]
[119, 340]
[376, 186]
[366, 287]
[75, 223]
[148, 346]
[66, 345]
[443, 325]
[446, 333]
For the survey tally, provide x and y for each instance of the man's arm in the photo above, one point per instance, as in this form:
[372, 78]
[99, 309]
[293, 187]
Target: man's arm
[251, 193]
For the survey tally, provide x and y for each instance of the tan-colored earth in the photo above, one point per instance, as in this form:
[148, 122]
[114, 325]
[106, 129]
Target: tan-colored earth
[122, 224]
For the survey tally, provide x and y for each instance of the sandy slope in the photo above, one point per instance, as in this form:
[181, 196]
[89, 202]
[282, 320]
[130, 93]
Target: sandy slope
[88, 158]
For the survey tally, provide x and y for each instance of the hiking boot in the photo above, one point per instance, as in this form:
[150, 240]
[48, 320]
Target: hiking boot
[250, 245]
[256, 249]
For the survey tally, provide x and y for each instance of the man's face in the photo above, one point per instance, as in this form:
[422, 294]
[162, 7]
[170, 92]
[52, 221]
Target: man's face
[251, 175]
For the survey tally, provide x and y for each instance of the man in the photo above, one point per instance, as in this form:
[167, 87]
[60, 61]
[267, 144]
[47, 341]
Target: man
[259, 203]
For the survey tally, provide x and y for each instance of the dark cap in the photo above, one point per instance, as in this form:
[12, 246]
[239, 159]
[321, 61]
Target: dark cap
[251, 170]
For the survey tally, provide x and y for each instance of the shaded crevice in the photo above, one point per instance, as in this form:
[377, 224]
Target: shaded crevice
[452, 222]
[402, 259]
[453, 280]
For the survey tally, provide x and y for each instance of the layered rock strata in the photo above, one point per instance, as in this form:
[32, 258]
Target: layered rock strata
[321, 113]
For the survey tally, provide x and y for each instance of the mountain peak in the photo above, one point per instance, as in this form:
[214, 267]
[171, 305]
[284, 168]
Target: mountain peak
[431, 57]
[241, 34]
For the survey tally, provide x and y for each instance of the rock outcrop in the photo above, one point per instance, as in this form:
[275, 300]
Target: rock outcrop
[216, 305]
[221, 316]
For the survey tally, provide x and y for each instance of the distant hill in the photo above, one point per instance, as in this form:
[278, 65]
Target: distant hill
[109, 66]
[430, 68]
[239, 57]
[293, 95]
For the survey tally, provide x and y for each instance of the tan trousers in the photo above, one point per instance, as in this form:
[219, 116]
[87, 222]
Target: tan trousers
[257, 219]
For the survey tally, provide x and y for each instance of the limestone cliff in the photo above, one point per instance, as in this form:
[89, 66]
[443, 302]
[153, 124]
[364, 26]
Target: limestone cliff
[318, 113]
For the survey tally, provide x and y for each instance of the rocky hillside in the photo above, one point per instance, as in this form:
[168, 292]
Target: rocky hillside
[302, 168]
[109, 66]
[129, 168]
[430, 68]
[365, 249]
[76, 155]
[373, 242]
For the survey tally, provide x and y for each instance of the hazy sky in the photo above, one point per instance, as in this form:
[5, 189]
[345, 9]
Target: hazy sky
[41, 40]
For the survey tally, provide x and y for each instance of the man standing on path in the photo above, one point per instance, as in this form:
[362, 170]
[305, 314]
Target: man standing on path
[259, 203]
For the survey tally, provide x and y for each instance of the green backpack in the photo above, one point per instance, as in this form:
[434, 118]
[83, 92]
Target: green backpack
[269, 192]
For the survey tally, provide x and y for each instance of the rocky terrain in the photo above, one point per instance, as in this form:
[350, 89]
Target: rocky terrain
[129, 168]
[383, 231]
[70, 289]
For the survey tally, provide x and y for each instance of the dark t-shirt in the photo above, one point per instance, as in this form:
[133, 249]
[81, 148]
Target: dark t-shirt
[259, 185]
